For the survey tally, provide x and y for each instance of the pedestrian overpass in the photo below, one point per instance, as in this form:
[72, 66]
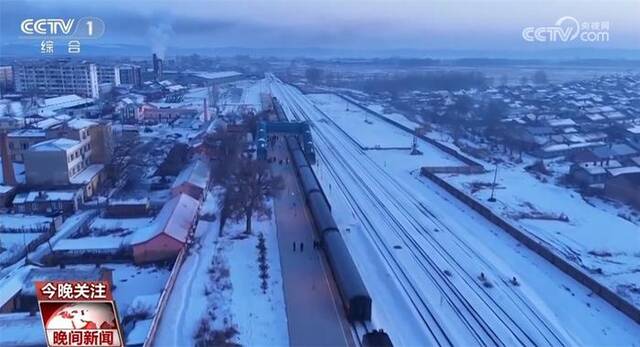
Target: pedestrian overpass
[299, 129]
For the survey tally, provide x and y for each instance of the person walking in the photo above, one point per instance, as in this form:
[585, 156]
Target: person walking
[301, 247]
[294, 246]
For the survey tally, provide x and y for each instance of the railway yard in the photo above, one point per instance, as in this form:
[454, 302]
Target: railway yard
[436, 271]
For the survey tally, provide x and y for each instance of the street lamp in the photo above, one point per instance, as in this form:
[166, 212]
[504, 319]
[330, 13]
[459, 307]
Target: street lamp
[493, 186]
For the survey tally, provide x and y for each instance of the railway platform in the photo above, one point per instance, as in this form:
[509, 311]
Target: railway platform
[314, 313]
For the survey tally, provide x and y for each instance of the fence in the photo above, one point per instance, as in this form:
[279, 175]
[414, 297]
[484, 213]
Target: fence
[454, 169]
[565, 266]
[164, 297]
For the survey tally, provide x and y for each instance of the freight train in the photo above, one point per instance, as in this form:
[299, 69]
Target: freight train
[353, 292]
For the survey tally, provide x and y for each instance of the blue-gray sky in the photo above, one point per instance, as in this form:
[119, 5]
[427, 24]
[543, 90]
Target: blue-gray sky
[352, 24]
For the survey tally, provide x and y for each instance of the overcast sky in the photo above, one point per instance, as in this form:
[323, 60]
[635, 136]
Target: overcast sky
[355, 24]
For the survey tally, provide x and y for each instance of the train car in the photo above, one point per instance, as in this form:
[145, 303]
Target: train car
[354, 294]
[298, 159]
[321, 213]
[376, 338]
[308, 179]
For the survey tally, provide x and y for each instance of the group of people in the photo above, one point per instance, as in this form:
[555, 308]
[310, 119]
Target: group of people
[316, 245]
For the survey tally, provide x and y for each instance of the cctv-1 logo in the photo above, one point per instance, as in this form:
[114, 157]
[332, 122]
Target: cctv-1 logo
[86, 27]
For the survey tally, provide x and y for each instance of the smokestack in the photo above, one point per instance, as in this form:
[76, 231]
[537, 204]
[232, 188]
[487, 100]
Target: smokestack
[7, 164]
[157, 67]
[206, 112]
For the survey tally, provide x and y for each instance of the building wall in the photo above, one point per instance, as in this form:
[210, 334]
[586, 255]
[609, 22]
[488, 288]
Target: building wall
[20, 144]
[46, 168]
[41, 207]
[161, 247]
[101, 143]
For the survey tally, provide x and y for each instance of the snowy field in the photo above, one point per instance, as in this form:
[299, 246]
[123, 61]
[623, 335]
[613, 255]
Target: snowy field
[603, 244]
[595, 236]
[439, 273]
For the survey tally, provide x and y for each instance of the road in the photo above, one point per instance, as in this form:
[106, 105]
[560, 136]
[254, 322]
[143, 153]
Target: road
[444, 266]
[314, 314]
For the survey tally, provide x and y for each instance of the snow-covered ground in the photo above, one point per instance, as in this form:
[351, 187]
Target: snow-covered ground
[260, 315]
[602, 238]
[188, 302]
[422, 254]
[218, 283]
[244, 94]
[604, 244]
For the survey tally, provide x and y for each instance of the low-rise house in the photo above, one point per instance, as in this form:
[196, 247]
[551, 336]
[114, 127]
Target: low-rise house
[588, 173]
[624, 185]
[155, 114]
[168, 234]
[127, 208]
[48, 201]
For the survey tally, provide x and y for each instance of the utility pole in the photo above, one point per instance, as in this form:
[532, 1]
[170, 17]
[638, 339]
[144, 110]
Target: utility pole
[493, 186]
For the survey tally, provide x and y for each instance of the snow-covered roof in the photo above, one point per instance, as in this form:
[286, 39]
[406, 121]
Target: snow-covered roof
[138, 334]
[48, 123]
[80, 123]
[56, 273]
[175, 219]
[22, 221]
[48, 195]
[90, 244]
[564, 122]
[87, 174]
[634, 130]
[624, 170]
[28, 133]
[216, 74]
[61, 144]
[196, 174]
[21, 329]
[5, 189]
[65, 101]
[129, 201]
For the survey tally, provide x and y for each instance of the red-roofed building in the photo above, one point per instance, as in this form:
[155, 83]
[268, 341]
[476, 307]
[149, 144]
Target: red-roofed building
[168, 233]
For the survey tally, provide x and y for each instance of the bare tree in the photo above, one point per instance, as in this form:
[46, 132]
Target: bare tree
[247, 190]
[228, 147]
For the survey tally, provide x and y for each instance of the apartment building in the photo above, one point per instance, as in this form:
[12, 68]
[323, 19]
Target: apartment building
[131, 74]
[57, 77]
[109, 74]
[6, 79]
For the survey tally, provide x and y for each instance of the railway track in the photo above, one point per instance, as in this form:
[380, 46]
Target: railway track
[500, 328]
